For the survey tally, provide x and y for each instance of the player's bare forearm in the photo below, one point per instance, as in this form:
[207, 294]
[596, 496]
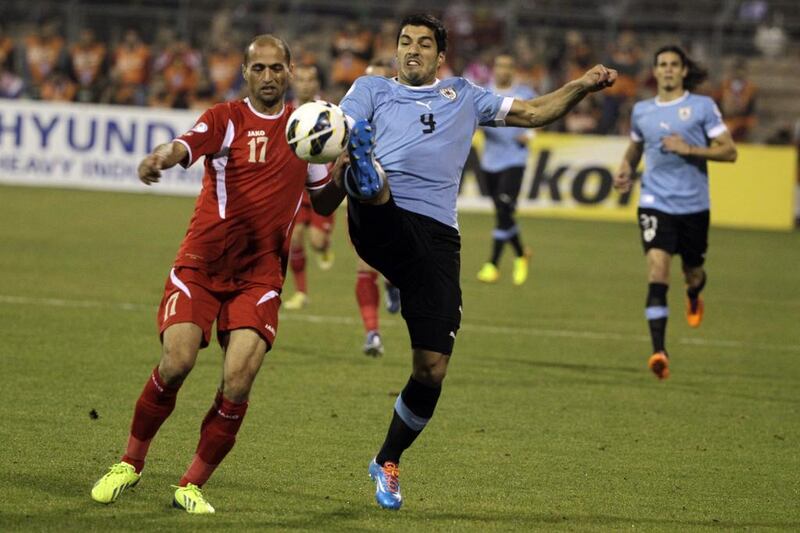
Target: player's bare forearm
[547, 108]
[718, 151]
[550, 107]
[327, 199]
[633, 154]
[623, 179]
[162, 157]
[721, 149]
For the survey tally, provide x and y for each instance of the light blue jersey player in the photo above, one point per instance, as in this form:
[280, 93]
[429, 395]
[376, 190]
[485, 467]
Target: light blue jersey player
[423, 135]
[678, 132]
[505, 154]
[409, 141]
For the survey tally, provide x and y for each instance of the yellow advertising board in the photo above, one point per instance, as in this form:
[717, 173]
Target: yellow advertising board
[570, 176]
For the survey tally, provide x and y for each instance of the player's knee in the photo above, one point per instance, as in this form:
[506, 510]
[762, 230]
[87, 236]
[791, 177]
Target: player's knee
[176, 363]
[237, 385]
[431, 373]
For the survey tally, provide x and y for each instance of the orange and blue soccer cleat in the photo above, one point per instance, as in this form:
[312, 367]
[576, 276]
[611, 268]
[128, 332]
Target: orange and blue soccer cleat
[387, 484]
[659, 365]
[694, 313]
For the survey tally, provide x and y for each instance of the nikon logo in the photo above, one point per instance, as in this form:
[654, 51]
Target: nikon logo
[589, 185]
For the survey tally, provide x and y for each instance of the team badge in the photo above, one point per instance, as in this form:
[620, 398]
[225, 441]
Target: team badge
[200, 127]
[684, 113]
[449, 93]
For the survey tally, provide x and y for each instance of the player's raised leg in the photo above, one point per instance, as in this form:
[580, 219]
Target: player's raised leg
[181, 342]
[243, 357]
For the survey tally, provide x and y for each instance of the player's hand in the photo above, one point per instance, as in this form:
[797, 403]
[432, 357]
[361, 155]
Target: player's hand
[337, 172]
[150, 168]
[674, 143]
[623, 179]
[598, 78]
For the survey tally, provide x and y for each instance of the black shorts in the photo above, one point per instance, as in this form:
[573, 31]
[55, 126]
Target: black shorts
[506, 183]
[422, 258]
[686, 235]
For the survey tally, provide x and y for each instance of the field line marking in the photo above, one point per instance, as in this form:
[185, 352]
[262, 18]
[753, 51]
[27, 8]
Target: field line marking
[480, 328]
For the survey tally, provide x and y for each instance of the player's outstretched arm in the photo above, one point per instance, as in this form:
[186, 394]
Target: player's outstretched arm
[722, 148]
[162, 157]
[325, 200]
[547, 108]
[623, 179]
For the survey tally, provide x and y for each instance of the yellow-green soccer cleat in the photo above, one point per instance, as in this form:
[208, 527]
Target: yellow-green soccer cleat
[488, 273]
[521, 264]
[325, 259]
[108, 488]
[298, 301]
[190, 498]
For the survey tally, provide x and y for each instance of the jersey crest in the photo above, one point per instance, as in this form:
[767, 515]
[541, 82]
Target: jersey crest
[685, 113]
[448, 92]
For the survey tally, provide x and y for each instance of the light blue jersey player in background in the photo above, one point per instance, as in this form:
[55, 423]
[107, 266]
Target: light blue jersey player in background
[678, 132]
[505, 155]
[410, 139]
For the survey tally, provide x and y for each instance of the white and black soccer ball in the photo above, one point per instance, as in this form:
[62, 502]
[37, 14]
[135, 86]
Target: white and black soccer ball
[317, 132]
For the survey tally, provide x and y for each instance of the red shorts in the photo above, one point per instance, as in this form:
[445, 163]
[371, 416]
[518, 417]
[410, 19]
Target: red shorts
[191, 295]
[306, 216]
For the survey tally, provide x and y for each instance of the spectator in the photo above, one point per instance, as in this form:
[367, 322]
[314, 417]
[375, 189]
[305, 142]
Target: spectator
[737, 101]
[88, 62]
[626, 57]
[224, 72]
[584, 117]
[351, 51]
[57, 87]
[130, 71]
[44, 53]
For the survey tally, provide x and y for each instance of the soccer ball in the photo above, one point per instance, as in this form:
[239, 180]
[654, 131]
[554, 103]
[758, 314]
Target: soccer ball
[317, 132]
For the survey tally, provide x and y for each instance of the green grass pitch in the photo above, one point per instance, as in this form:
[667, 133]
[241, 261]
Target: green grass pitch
[549, 419]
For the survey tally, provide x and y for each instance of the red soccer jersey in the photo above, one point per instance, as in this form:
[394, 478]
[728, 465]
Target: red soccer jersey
[252, 189]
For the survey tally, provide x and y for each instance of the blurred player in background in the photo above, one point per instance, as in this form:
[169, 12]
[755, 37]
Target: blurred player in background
[367, 293]
[306, 85]
[678, 132]
[408, 144]
[505, 154]
[229, 269]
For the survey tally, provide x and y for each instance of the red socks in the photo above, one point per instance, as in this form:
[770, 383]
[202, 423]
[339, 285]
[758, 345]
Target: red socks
[217, 437]
[297, 262]
[368, 298]
[154, 405]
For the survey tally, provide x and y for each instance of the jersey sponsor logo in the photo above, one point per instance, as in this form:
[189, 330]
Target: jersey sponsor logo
[200, 127]
[685, 113]
[255, 133]
[663, 125]
[449, 93]
[424, 104]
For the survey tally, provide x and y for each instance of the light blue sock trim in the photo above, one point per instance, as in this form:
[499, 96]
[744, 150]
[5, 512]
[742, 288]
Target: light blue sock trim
[654, 313]
[417, 423]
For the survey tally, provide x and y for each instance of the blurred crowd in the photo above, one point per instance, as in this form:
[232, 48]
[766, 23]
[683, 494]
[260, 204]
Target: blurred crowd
[169, 71]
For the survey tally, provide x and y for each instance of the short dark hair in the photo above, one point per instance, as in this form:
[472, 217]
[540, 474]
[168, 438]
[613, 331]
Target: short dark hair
[695, 74]
[429, 21]
[267, 38]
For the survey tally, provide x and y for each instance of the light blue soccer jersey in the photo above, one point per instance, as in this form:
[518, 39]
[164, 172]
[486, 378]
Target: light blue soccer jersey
[672, 183]
[502, 150]
[423, 136]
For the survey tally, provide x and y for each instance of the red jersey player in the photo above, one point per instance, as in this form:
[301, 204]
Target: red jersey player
[230, 266]
[306, 85]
